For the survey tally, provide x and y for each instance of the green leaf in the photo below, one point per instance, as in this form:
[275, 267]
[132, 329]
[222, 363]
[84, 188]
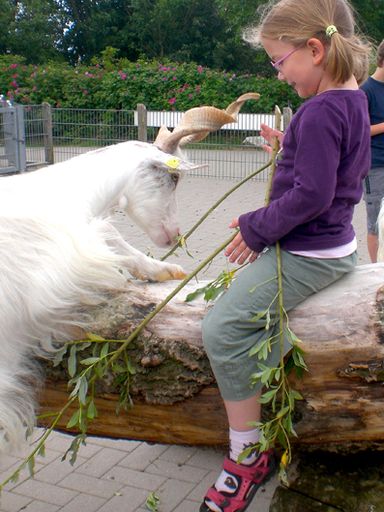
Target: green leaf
[268, 396]
[268, 322]
[91, 410]
[31, 466]
[104, 350]
[94, 337]
[74, 419]
[131, 369]
[285, 410]
[83, 390]
[259, 315]
[89, 361]
[152, 502]
[72, 363]
[41, 451]
[194, 295]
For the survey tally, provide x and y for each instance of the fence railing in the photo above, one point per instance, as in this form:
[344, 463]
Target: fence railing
[57, 134]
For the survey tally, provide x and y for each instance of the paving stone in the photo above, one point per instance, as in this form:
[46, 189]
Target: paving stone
[55, 471]
[10, 502]
[45, 492]
[127, 499]
[83, 503]
[187, 506]
[40, 506]
[23, 476]
[209, 459]
[172, 493]
[178, 454]
[125, 445]
[60, 442]
[143, 456]
[130, 477]
[101, 462]
[90, 485]
[178, 471]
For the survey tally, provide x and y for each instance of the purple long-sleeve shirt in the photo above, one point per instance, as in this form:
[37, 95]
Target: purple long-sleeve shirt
[318, 180]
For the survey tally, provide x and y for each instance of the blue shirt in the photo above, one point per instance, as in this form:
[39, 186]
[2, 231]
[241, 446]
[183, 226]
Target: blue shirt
[318, 180]
[374, 89]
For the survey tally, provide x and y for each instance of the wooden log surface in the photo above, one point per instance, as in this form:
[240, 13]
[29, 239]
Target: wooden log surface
[174, 392]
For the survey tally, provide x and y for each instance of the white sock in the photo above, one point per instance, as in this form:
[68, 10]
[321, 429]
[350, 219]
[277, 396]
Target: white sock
[239, 441]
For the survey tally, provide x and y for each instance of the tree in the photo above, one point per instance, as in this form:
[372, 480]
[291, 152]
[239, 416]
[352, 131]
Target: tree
[370, 18]
[30, 28]
[91, 26]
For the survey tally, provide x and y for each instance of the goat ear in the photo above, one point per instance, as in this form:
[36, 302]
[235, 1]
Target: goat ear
[175, 164]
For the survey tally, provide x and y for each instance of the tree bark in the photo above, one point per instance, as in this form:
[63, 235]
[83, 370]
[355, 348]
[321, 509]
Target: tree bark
[175, 396]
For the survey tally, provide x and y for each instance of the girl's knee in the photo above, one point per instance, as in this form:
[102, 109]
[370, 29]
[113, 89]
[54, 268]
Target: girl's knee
[212, 332]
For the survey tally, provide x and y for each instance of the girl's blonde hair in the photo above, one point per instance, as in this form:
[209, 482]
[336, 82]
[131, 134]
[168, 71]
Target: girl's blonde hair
[380, 54]
[296, 21]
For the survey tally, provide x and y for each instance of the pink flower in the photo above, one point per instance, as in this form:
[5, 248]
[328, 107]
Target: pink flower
[13, 66]
[14, 84]
[122, 75]
[200, 69]
[172, 101]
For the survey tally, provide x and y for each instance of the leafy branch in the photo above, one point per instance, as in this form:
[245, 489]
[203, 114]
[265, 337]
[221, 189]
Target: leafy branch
[278, 392]
[182, 239]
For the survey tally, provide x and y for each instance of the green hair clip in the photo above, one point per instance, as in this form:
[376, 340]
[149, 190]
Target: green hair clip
[330, 30]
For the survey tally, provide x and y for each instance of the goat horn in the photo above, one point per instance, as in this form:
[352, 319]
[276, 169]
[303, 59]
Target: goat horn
[196, 123]
[234, 108]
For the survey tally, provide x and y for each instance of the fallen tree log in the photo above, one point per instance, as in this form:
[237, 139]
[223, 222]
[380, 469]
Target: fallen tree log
[174, 390]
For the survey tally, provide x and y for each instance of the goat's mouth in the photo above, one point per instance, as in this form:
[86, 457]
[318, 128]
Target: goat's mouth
[164, 237]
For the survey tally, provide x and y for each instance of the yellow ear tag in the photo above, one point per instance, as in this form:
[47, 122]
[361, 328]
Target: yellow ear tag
[173, 163]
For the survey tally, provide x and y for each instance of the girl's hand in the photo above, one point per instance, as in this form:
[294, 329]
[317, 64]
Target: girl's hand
[269, 134]
[238, 250]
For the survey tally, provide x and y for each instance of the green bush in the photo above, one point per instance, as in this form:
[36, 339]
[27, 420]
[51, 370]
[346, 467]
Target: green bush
[123, 84]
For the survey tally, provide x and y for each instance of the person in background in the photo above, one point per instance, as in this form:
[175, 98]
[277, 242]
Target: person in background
[374, 182]
[318, 181]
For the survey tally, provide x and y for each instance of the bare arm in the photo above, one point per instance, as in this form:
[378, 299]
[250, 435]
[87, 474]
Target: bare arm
[376, 129]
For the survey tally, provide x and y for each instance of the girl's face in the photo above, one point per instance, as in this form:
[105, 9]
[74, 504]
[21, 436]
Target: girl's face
[301, 67]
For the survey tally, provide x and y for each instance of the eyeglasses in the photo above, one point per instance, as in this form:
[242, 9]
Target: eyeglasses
[277, 65]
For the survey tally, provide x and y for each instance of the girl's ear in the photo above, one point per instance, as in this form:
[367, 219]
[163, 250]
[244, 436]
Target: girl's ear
[317, 49]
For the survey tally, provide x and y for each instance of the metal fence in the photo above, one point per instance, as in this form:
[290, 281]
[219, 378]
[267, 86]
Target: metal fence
[12, 140]
[57, 134]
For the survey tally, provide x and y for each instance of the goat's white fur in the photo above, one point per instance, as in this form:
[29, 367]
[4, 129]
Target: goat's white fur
[58, 250]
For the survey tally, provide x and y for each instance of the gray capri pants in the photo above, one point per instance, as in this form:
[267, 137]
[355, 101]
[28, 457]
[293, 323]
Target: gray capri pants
[373, 194]
[228, 330]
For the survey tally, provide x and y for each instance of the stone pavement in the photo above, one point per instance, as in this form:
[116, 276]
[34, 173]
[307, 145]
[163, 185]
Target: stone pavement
[119, 475]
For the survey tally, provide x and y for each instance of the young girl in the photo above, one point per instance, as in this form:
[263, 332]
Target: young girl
[318, 180]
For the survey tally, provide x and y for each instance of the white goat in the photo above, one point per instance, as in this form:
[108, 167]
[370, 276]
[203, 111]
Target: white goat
[59, 250]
